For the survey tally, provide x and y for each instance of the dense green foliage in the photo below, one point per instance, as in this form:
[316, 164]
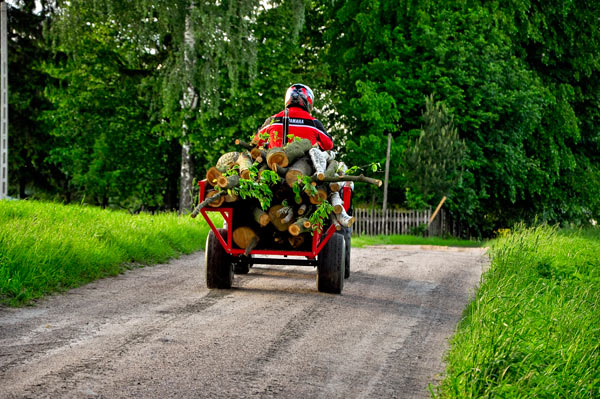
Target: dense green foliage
[103, 103]
[533, 328]
[434, 163]
[48, 247]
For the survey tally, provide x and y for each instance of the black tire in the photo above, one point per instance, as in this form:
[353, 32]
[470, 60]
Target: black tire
[347, 234]
[330, 269]
[218, 263]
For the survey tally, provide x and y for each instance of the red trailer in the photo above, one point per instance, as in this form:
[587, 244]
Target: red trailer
[329, 251]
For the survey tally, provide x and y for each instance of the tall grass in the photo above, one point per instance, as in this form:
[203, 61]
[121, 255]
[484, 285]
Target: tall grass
[48, 247]
[533, 329]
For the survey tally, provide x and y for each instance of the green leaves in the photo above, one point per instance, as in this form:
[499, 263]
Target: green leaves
[433, 164]
[320, 215]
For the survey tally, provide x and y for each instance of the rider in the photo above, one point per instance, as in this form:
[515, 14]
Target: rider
[298, 105]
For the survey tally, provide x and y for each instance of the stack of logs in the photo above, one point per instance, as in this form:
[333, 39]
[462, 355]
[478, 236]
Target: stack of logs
[286, 223]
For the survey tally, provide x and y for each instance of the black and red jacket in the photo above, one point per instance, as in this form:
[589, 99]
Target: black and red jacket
[301, 124]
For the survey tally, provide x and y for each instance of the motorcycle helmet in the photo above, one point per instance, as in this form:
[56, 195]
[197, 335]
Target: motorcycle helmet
[299, 95]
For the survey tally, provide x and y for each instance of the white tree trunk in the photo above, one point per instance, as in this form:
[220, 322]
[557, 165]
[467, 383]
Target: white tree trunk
[186, 175]
[189, 102]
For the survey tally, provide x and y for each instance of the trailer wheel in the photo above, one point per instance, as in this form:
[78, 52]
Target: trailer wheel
[219, 267]
[347, 234]
[330, 269]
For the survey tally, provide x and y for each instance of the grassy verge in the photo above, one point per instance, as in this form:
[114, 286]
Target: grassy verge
[361, 241]
[47, 247]
[533, 329]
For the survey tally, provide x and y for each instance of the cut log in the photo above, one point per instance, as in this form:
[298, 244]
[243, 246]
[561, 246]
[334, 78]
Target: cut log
[243, 236]
[217, 197]
[211, 196]
[231, 198]
[251, 246]
[284, 211]
[245, 162]
[287, 215]
[243, 144]
[261, 217]
[300, 168]
[344, 219]
[215, 203]
[302, 225]
[319, 160]
[297, 149]
[319, 197]
[335, 187]
[277, 156]
[296, 241]
[226, 182]
[359, 178]
[257, 153]
[276, 219]
[336, 201]
[337, 224]
[227, 161]
[281, 171]
[212, 175]
[331, 170]
[304, 209]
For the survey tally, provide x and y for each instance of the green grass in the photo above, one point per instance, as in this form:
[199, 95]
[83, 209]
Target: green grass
[361, 241]
[533, 329]
[49, 247]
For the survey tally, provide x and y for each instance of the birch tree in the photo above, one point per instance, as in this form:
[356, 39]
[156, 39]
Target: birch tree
[198, 40]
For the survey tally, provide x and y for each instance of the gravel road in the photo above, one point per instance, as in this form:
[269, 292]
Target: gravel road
[157, 332]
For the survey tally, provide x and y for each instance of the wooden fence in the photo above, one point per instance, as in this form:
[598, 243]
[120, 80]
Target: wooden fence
[398, 221]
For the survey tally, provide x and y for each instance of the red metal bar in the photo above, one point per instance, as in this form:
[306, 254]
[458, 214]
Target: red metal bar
[328, 233]
[227, 214]
[346, 196]
[202, 184]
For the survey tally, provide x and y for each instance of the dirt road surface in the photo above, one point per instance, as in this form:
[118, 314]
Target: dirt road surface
[157, 332]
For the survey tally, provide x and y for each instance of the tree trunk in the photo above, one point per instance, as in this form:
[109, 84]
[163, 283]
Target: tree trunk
[186, 175]
[188, 103]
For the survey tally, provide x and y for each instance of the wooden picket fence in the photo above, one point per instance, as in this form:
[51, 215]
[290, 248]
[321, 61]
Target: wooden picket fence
[398, 221]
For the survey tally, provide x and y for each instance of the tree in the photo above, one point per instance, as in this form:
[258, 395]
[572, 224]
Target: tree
[103, 139]
[202, 38]
[29, 145]
[389, 55]
[433, 164]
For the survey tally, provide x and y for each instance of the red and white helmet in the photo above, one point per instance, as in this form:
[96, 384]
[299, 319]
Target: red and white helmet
[301, 95]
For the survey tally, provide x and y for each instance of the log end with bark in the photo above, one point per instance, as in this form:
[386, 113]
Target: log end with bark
[212, 175]
[244, 236]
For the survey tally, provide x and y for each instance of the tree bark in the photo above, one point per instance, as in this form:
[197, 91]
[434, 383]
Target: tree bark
[186, 177]
[300, 226]
[359, 178]
[300, 168]
[261, 217]
[188, 103]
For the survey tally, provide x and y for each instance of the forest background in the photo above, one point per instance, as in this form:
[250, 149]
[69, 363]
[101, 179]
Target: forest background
[122, 104]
